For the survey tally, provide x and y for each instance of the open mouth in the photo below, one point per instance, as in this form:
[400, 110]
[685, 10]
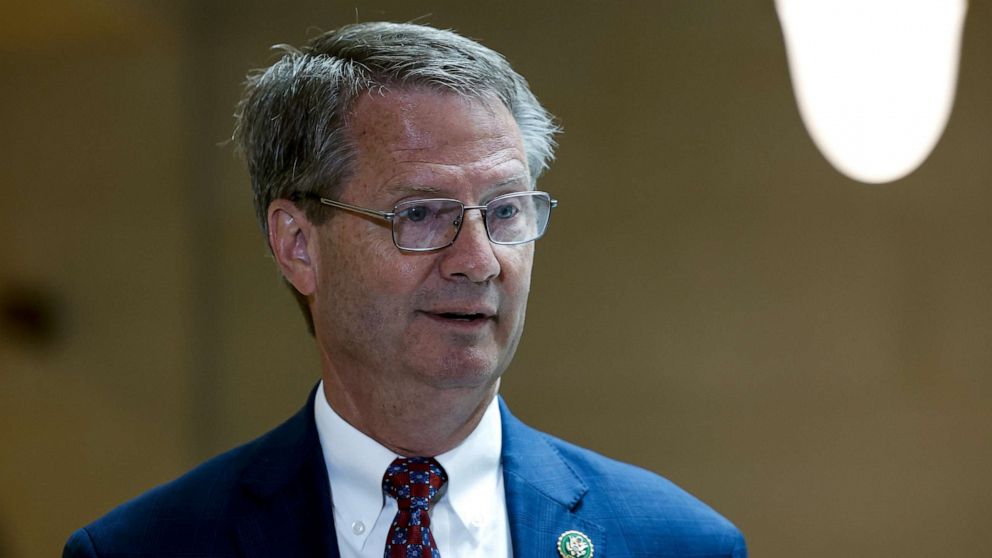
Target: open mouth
[461, 317]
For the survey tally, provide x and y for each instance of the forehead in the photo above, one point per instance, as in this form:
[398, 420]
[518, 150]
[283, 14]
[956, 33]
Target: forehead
[424, 138]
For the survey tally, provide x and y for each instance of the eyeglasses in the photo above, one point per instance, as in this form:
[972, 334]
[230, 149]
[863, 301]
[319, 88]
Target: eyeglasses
[433, 224]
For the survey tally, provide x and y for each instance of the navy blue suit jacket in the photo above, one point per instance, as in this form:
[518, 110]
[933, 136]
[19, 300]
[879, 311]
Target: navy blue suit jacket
[271, 498]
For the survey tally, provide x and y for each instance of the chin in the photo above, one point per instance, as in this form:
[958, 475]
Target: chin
[464, 370]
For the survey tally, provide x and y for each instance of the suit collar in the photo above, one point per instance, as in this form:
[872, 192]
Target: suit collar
[528, 456]
[284, 515]
[288, 505]
[543, 493]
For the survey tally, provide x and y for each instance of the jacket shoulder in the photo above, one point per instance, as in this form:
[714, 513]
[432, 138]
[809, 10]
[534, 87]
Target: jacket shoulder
[655, 516]
[189, 516]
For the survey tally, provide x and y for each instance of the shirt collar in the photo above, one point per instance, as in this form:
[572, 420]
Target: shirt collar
[474, 471]
[355, 465]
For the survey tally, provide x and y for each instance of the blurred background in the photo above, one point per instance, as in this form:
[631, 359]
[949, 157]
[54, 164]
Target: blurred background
[809, 355]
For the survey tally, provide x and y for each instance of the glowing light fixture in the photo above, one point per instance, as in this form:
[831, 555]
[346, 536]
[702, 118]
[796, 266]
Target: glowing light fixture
[874, 79]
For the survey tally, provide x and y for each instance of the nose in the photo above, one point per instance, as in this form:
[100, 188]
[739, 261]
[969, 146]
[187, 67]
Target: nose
[471, 256]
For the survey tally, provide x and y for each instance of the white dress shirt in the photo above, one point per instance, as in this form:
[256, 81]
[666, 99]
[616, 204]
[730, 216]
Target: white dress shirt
[470, 517]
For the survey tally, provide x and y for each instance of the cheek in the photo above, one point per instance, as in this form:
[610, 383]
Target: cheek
[408, 270]
[347, 268]
[516, 264]
[379, 279]
[364, 253]
[516, 268]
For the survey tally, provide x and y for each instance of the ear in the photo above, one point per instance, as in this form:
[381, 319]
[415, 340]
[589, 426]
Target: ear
[292, 238]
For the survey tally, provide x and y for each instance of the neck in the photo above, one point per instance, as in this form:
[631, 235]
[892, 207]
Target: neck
[422, 429]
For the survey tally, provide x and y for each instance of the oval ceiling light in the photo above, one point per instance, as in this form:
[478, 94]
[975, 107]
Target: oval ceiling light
[874, 79]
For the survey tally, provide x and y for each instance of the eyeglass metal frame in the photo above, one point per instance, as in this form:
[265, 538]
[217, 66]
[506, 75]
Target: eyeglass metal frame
[389, 216]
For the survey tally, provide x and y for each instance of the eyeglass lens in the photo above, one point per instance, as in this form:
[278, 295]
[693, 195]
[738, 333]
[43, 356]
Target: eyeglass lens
[434, 223]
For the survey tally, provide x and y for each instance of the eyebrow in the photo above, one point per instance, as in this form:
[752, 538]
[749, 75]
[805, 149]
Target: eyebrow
[424, 189]
[408, 188]
[511, 180]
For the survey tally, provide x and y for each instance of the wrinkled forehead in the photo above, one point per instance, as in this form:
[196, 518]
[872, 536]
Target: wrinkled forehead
[424, 130]
[422, 118]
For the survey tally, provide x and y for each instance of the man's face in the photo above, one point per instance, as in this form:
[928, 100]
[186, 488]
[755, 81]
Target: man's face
[445, 319]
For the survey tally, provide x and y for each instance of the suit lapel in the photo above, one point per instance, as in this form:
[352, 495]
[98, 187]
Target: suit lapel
[287, 505]
[542, 493]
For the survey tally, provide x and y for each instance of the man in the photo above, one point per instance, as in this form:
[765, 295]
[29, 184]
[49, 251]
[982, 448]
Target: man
[394, 170]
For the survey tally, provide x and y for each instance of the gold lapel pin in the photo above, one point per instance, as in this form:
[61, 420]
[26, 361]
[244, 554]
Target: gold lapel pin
[574, 544]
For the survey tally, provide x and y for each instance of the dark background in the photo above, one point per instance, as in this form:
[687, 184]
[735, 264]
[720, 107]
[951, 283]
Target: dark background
[809, 355]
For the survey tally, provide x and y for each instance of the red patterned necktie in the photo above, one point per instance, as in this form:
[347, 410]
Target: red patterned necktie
[414, 482]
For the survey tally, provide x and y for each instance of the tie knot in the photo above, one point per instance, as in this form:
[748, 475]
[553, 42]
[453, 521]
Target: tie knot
[414, 481]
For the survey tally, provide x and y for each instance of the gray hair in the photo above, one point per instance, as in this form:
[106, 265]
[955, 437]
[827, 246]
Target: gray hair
[292, 120]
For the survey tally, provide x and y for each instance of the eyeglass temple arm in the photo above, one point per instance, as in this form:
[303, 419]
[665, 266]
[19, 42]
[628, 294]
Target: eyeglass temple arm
[384, 215]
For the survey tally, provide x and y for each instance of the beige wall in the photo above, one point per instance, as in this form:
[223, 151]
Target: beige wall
[810, 355]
